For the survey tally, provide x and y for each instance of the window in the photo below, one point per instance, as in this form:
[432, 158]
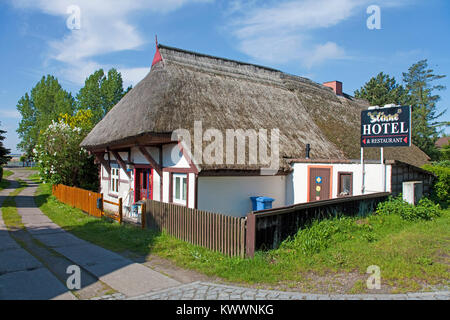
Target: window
[114, 186]
[180, 188]
[345, 187]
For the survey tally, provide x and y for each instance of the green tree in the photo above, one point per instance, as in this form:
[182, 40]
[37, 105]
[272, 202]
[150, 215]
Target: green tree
[101, 92]
[382, 90]
[59, 156]
[420, 86]
[4, 153]
[44, 104]
[445, 152]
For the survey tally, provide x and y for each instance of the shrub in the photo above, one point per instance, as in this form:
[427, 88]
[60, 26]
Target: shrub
[320, 234]
[425, 209]
[1, 173]
[59, 156]
[441, 188]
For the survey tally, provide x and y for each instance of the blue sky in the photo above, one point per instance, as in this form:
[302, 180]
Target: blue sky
[319, 39]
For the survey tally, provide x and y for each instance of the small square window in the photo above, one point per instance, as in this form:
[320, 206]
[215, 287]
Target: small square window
[114, 186]
[345, 187]
[180, 188]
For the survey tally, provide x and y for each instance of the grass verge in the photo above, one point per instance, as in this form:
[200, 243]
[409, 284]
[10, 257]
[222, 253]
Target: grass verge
[11, 217]
[410, 254]
[3, 182]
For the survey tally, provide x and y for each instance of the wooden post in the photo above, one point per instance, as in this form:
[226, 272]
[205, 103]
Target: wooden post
[143, 215]
[120, 210]
[101, 210]
[250, 235]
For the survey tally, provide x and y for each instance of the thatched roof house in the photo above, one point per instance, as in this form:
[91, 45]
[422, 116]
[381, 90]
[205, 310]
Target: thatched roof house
[226, 94]
[183, 87]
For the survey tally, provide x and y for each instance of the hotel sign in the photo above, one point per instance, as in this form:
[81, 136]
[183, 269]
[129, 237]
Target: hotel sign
[386, 127]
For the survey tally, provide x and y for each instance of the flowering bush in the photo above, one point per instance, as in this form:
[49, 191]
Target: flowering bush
[59, 156]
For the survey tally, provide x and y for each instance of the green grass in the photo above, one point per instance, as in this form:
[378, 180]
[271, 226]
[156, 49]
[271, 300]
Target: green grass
[10, 215]
[7, 173]
[3, 182]
[409, 253]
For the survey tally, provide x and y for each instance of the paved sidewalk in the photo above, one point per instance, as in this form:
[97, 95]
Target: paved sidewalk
[212, 291]
[21, 275]
[121, 274]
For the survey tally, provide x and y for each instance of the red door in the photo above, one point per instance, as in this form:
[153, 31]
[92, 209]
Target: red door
[145, 184]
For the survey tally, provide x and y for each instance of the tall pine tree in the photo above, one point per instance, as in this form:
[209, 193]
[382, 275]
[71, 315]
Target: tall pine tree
[420, 85]
[382, 90]
[4, 153]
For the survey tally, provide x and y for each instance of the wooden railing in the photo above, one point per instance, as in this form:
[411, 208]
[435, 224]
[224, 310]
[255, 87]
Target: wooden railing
[266, 229]
[218, 232]
[119, 216]
[86, 200]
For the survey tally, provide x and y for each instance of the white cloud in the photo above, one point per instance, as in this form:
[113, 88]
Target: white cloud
[106, 27]
[323, 52]
[284, 31]
[272, 49]
[132, 76]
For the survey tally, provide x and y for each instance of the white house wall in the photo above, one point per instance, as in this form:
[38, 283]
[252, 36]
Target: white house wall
[138, 158]
[297, 181]
[191, 192]
[231, 195]
[124, 188]
[172, 158]
[166, 176]
[156, 186]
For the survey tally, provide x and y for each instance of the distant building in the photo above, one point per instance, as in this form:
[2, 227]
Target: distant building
[442, 142]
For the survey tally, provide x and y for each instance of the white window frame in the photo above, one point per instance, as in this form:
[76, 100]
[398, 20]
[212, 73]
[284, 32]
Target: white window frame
[180, 200]
[114, 181]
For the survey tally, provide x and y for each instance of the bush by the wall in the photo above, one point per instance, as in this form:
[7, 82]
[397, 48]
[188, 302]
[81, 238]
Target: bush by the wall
[425, 209]
[441, 188]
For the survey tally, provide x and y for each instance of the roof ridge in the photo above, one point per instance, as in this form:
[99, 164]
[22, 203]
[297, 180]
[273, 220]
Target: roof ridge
[161, 46]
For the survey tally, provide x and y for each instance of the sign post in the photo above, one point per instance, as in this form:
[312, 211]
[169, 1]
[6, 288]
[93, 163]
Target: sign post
[384, 127]
[362, 170]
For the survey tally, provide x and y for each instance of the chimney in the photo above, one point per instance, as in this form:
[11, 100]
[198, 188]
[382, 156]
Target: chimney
[307, 150]
[335, 85]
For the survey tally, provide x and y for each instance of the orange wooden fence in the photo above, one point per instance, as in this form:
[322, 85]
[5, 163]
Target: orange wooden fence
[85, 200]
[214, 231]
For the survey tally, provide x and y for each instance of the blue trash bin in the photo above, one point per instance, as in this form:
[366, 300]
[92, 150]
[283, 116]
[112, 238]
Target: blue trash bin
[261, 203]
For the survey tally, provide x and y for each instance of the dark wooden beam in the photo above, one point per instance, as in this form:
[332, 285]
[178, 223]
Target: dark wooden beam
[150, 159]
[100, 157]
[151, 139]
[121, 162]
[188, 158]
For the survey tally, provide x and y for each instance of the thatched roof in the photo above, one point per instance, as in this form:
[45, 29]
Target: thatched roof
[226, 94]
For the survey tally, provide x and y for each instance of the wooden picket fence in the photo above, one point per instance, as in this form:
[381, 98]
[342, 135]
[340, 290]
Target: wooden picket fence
[86, 201]
[217, 232]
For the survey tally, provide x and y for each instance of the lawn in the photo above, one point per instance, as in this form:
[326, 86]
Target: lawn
[9, 212]
[411, 254]
[4, 183]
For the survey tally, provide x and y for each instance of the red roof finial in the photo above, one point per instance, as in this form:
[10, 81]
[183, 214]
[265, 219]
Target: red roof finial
[157, 58]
